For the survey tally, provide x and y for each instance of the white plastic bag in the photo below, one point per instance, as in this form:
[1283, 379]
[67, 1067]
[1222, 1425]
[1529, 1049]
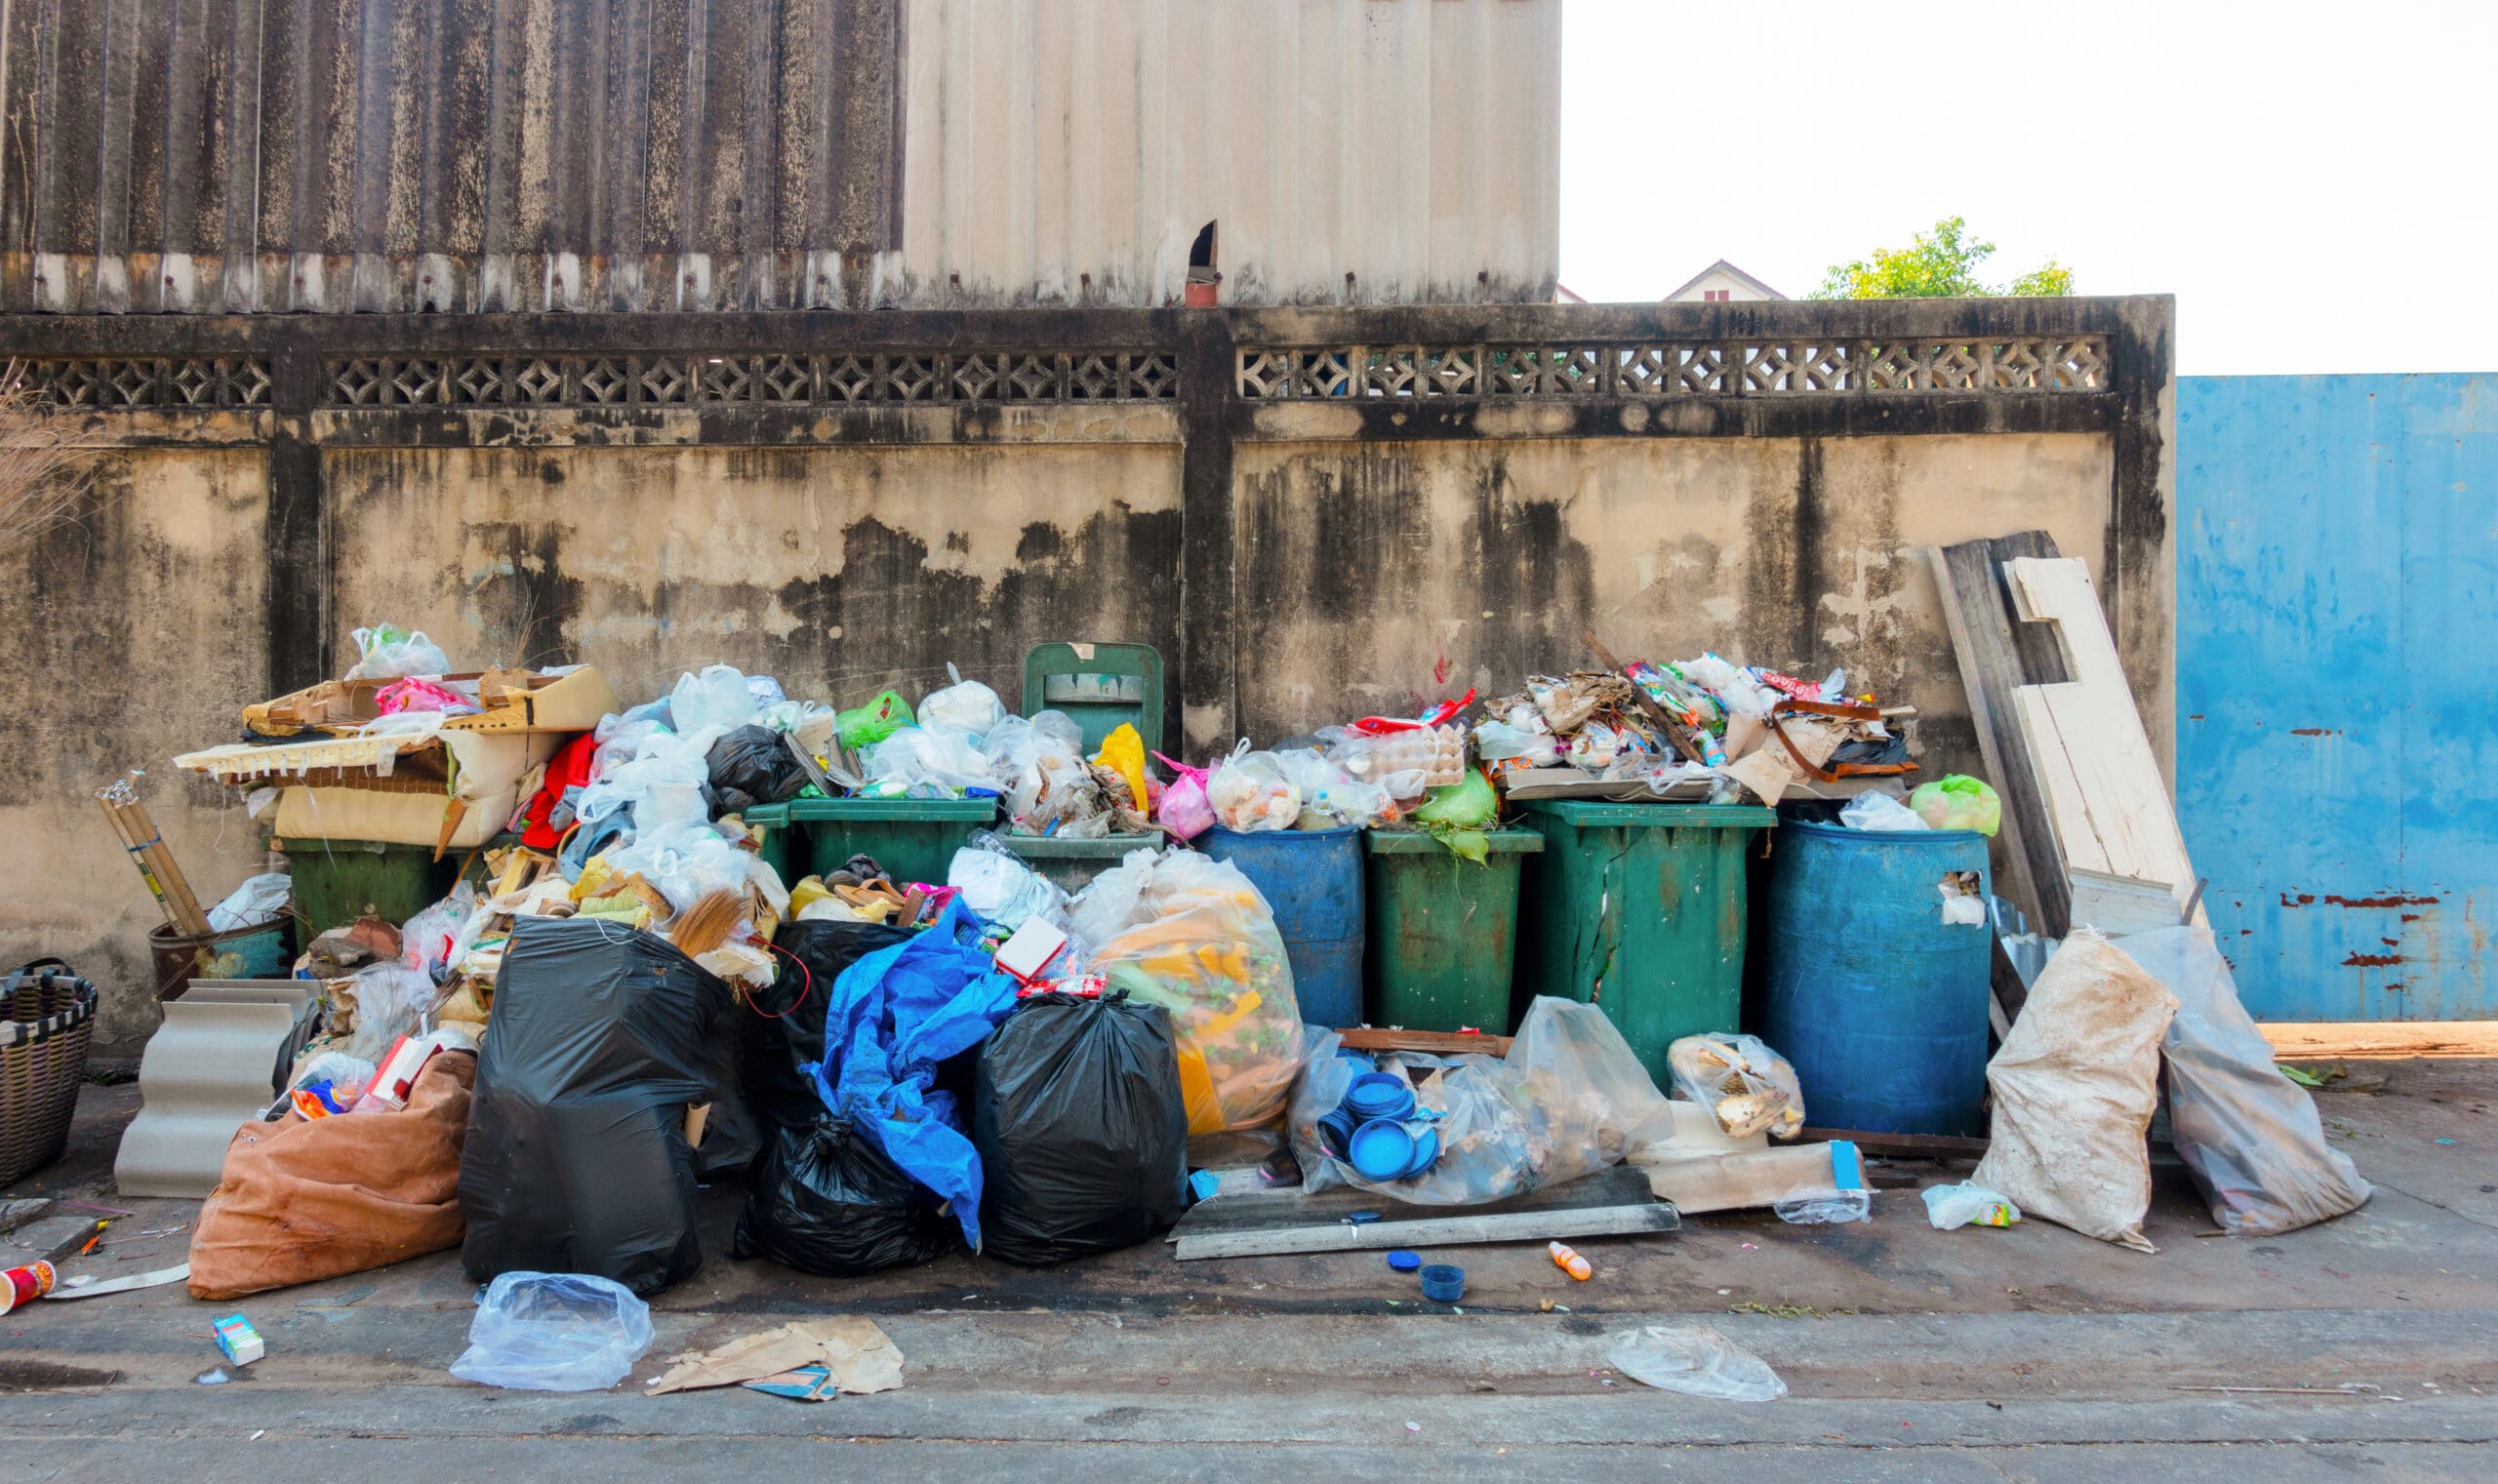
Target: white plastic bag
[427, 940]
[928, 762]
[1252, 791]
[1330, 797]
[2249, 1135]
[554, 1332]
[1749, 1088]
[966, 706]
[1041, 775]
[257, 900]
[1695, 1360]
[718, 696]
[1949, 1207]
[2075, 1086]
[999, 888]
[1879, 812]
[386, 653]
[1569, 1100]
[389, 1001]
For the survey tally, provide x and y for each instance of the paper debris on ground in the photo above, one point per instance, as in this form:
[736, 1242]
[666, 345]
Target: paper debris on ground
[849, 1351]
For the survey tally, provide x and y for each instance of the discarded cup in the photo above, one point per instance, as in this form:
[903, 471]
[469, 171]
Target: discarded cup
[1404, 1262]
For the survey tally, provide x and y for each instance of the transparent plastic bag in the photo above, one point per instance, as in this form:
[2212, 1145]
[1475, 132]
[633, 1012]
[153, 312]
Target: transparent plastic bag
[1747, 1087]
[1880, 812]
[1201, 942]
[1695, 1360]
[554, 1332]
[386, 652]
[427, 940]
[1405, 762]
[1498, 742]
[1957, 801]
[257, 900]
[999, 888]
[684, 860]
[1949, 1207]
[1330, 797]
[1114, 900]
[718, 696]
[1569, 1100]
[1831, 1210]
[388, 1001]
[928, 762]
[1253, 791]
[1185, 810]
[2250, 1136]
[965, 706]
[1042, 778]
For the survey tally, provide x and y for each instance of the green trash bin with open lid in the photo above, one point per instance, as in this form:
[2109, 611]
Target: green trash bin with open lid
[912, 839]
[1098, 686]
[1639, 908]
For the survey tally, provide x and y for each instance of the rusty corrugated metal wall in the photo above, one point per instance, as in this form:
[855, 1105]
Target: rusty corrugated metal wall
[206, 156]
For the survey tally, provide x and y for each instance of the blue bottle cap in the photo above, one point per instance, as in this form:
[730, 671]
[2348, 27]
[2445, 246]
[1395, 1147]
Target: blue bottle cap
[1403, 1260]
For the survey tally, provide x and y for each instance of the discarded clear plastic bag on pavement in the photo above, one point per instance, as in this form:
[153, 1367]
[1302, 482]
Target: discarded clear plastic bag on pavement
[1695, 1360]
[1569, 1100]
[1951, 1207]
[1827, 1209]
[554, 1332]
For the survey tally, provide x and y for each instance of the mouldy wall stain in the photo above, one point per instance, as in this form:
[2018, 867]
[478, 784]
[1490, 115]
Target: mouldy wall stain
[132, 634]
[1362, 566]
[840, 571]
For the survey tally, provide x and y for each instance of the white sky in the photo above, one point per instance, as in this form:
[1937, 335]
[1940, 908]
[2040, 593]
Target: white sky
[2317, 184]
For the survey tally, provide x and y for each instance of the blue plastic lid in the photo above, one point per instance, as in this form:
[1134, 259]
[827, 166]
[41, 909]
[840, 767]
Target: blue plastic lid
[1378, 1095]
[1382, 1149]
[1403, 1260]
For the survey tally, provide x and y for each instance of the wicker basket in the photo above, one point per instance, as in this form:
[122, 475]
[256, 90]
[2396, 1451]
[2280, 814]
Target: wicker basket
[50, 1017]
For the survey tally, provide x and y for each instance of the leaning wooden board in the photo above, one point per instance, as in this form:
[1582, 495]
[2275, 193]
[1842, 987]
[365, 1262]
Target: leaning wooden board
[1436, 1231]
[2106, 799]
[1256, 1222]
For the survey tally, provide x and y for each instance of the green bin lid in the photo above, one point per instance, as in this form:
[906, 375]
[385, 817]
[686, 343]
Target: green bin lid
[1605, 814]
[1415, 842]
[1102, 847]
[929, 811]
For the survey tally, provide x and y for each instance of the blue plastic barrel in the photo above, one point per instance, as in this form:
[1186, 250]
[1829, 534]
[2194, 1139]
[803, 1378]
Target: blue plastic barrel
[1313, 879]
[1878, 1002]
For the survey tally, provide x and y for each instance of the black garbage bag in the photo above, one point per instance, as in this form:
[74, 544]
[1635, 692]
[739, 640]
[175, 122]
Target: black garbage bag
[1082, 1132]
[827, 1201]
[781, 1028]
[576, 1159]
[752, 766]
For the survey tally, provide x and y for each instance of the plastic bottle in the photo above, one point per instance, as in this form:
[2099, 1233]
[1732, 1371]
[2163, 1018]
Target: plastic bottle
[1570, 1261]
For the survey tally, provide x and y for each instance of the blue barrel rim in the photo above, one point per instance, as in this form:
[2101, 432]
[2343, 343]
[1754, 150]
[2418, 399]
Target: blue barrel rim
[1887, 838]
[1338, 833]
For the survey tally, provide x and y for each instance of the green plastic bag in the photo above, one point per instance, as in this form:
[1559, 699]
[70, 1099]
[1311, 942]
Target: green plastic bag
[880, 718]
[1455, 816]
[1957, 801]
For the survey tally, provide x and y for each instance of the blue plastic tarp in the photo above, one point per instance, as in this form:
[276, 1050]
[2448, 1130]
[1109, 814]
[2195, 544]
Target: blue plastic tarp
[897, 1014]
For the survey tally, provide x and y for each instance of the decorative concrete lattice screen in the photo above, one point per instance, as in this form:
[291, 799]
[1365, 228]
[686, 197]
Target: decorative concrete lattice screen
[1725, 368]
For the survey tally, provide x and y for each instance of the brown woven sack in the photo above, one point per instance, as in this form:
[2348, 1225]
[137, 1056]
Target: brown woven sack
[306, 1199]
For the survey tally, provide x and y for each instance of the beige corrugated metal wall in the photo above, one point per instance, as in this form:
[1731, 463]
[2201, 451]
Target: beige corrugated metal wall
[1385, 152]
[206, 156]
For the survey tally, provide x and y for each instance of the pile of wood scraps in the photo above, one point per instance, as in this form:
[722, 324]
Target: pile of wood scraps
[2088, 827]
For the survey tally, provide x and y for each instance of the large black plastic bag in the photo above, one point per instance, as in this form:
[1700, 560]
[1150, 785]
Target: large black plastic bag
[827, 1201]
[752, 766]
[782, 1030]
[576, 1159]
[1081, 1126]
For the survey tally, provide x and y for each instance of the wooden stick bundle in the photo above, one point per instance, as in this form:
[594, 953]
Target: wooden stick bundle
[146, 847]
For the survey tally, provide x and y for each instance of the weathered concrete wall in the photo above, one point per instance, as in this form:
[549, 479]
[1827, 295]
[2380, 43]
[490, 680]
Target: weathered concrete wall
[1363, 567]
[841, 571]
[130, 631]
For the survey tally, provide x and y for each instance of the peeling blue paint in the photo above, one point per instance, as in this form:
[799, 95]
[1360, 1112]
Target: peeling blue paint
[2337, 663]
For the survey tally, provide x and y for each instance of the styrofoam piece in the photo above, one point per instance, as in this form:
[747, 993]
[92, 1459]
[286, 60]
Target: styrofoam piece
[208, 1070]
[297, 993]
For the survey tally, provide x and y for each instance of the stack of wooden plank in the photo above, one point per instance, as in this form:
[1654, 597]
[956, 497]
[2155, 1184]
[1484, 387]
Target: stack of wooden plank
[2088, 828]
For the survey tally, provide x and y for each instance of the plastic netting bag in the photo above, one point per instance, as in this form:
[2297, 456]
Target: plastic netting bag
[999, 888]
[965, 706]
[718, 696]
[1193, 936]
[2250, 1136]
[554, 1332]
[1252, 791]
[1695, 1360]
[386, 652]
[1957, 801]
[1747, 1087]
[1569, 1100]
[928, 761]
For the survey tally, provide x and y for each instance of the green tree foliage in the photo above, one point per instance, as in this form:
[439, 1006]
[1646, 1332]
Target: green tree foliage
[1942, 263]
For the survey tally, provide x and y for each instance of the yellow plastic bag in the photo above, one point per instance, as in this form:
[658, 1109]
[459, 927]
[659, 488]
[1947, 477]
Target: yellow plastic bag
[1123, 753]
[1202, 944]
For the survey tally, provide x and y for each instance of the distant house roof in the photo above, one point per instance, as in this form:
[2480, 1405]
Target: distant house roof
[1722, 265]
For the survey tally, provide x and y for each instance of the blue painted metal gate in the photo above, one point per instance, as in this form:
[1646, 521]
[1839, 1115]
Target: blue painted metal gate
[2337, 687]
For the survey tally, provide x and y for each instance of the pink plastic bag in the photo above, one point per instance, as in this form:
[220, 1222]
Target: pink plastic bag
[1185, 810]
